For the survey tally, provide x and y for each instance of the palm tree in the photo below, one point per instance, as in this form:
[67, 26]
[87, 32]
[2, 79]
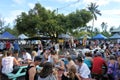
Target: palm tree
[96, 31]
[94, 11]
[104, 26]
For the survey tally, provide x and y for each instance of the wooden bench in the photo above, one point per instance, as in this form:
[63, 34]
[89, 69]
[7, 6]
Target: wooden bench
[19, 73]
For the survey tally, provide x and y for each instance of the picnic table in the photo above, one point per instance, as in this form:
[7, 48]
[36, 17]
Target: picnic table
[13, 76]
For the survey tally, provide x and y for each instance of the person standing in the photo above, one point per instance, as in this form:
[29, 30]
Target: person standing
[16, 46]
[7, 45]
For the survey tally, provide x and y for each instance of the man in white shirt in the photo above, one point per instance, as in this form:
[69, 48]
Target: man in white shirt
[26, 56]
[83, 69]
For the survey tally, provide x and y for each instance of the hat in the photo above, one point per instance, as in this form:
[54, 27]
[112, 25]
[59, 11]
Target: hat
[38, 58]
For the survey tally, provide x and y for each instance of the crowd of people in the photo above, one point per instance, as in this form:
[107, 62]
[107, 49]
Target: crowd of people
[97, 61]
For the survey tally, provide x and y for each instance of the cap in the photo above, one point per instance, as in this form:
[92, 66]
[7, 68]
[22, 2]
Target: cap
[38, 58]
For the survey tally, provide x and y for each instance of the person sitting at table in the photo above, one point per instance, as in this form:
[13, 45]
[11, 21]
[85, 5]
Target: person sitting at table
[59, 66]
[31, 73]
[47, 73]
[26, 56]
[71, 74]
[70, 62]
[82, 68]
[34, 53]
[51, 55]
[8, 63]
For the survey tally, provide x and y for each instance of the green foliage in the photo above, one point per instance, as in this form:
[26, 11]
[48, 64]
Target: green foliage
[104, 26]
[93, 8]
[107, 34]
[2, 25]
[96, 31]
[78, 19]
[39, 21]
[12, 31]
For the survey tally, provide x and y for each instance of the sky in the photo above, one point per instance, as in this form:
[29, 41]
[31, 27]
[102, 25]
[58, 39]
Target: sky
[110, 9]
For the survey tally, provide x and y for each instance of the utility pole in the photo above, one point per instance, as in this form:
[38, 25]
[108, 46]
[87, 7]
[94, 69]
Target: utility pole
[57, 10]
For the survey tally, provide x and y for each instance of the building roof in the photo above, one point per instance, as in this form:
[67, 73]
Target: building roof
[116, 30]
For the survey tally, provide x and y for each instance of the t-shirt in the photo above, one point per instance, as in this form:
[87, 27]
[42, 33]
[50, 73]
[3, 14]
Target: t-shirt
[7, 45]
[88, 62]
[27, 56]
[112, 69]
[1, 45]
[16, 46]
[84, 71]
[98, 63]
[7, 64]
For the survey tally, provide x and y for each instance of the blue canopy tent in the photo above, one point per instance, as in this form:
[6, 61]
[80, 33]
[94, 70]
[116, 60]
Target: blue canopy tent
[99, 36]
[7, 35]
[115, 36]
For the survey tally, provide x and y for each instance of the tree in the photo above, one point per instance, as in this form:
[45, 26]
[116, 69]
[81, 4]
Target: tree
[96, 31]
[78, 19]
[104, 26]
[112, 28]
[2, 25]
[12, 31]
[38, 20]
[94, 11]
[88, 28]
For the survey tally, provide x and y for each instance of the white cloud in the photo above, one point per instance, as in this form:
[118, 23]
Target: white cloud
[66, 0]
[116, 0]
[99, 2]
[12, 16]
[111, 12]
[31, 5]
[49, 8]
[111, 20]
[19, 1]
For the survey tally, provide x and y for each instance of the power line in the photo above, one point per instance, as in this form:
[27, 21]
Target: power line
[67, 5]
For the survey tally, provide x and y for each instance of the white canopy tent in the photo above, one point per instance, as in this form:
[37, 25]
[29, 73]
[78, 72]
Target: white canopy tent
[22, 36]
